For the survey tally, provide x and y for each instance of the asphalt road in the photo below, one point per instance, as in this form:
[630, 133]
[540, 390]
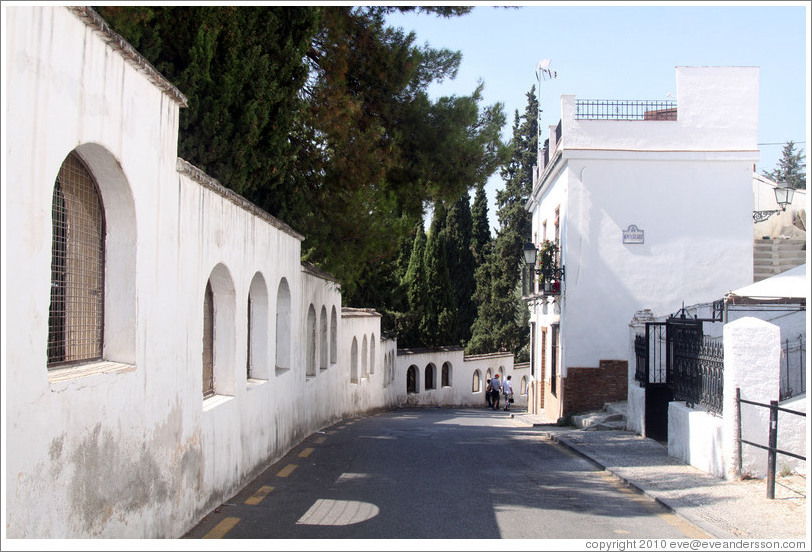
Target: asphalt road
[437, 473]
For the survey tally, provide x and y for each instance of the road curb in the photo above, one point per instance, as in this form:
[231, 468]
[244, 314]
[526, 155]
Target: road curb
[698, 521]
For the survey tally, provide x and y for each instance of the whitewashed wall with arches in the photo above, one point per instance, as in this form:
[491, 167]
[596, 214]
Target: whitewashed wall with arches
[142, 393]
[445, 376]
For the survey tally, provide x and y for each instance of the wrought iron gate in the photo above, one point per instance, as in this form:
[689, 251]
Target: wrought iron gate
[667, 359]
[653, 373]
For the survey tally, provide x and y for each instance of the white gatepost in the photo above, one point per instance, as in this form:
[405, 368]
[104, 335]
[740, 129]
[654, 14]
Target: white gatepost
[752, 364]
[636, 393]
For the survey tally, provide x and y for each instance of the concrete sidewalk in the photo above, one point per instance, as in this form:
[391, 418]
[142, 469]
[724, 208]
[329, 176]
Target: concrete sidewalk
[723, 509]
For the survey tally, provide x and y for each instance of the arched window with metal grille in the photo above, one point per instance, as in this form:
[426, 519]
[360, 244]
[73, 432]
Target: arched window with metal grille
[76, 313]
[208, 341]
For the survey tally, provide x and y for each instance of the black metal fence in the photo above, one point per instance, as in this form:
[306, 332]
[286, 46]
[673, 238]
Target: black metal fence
[626, 110]
[772, 439]
[793, 368]
[677, 354]
[698, 371]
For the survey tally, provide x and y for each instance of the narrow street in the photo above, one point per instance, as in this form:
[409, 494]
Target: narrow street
[435, 473]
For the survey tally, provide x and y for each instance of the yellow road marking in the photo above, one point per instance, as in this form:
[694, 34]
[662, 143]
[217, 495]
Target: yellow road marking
[306, 452]
[320, 440]
[688, 529]
[222, 528]
[287, 470]
[259, 495]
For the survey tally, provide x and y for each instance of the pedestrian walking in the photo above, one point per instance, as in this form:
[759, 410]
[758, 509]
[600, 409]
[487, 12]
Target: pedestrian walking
[488, 393]
[496, 388]
[507, 391]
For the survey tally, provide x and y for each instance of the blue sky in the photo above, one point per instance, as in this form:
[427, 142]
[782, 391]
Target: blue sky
[626, 51]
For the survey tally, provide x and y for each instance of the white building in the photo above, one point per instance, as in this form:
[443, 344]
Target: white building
[651, 204]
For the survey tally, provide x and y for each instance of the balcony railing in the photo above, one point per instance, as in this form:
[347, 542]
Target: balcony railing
[626, 110]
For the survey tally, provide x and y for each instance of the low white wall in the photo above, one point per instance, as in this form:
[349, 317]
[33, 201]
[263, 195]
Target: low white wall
[636, 409]
[695, 436]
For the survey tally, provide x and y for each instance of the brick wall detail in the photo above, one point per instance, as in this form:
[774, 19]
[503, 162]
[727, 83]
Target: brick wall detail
[590, 388]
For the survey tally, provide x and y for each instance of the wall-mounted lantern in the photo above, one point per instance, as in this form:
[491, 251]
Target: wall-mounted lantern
[783, 196]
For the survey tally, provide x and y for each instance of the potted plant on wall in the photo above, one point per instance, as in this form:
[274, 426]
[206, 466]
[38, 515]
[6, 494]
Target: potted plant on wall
[549, 271]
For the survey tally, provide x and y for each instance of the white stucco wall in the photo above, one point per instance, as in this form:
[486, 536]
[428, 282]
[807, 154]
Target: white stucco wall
[696, 437]
[128, 447]
[717, 111]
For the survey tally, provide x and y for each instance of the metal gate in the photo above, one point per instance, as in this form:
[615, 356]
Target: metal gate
[656, 353]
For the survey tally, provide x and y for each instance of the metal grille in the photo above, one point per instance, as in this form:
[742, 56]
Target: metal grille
[626, 110]
[249, 357]
[698, 371]
[76, 312]
[554, 362]
[208, 342]
[793, 369]
[641, 351]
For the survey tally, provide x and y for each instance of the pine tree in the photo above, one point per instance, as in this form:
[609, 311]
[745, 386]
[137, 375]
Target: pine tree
[791, 168]
[461, 266]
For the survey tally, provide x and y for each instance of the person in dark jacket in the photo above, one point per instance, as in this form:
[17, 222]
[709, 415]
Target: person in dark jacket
[496, 387]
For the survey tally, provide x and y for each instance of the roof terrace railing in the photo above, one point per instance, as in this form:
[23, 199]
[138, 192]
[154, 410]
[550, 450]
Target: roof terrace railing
[626, 110]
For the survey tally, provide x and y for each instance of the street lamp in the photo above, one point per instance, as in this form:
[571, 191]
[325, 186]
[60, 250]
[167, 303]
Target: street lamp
[783, 196]
[530, 254]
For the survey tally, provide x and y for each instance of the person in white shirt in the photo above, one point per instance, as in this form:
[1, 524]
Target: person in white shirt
[507, 391]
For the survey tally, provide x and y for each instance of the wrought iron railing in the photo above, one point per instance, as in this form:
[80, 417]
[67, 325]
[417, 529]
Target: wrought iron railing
[626, 110]
[652, 355]
[640, 352]
[698, 372]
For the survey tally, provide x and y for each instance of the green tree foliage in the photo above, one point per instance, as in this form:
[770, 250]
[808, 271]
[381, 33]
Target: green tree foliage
[242, 70]
[379, 147]
[461, 266]
[500, 324]
[791, 168]
[414, 282]
[481, 231]
[320, 115]
[439, 323]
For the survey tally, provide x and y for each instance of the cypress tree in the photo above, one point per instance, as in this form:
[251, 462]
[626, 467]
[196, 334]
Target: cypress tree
[481, 231]
[461, 265]
[415, 284]
[499, 325]
[439, 322]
